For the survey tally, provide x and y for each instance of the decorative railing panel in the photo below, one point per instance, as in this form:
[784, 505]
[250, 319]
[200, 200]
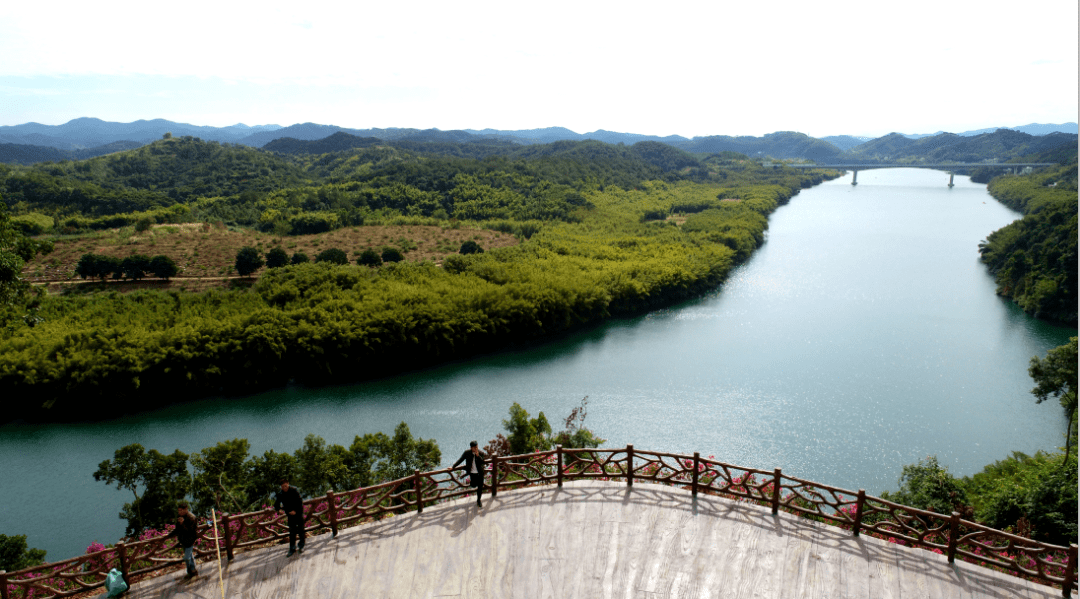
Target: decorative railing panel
[858, 512]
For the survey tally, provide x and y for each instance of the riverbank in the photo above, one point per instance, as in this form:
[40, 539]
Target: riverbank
[1034, 259]
[319, 324]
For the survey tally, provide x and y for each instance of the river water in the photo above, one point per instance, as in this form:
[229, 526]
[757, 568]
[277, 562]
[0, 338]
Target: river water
[864, 335]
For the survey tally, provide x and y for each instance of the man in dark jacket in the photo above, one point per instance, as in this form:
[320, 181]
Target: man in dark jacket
[290, 502]
[474, 465]
[186, 532]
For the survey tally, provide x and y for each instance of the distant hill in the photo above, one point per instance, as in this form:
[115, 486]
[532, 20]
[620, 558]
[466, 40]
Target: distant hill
[782, 144]
[845, 142]
[552, 134]
[83, 133]
[1001, 145]
[1030, 129]
[337, 142]
[31, 154]
[87, 137]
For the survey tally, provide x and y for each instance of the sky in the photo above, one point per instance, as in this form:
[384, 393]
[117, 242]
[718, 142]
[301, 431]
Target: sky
[682, 68]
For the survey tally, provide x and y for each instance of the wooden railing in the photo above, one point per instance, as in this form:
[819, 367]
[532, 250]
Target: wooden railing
[856, 511]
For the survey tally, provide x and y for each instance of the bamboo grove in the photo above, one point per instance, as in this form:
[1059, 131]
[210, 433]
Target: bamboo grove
[604, 231]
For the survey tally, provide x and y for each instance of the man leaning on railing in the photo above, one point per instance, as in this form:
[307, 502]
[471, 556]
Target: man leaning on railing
[474, 465]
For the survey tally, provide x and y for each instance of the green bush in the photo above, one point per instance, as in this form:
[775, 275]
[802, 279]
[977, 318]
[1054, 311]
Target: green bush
[333, 256]
[928, 485]
[299, 258]
[369, 258]
[248, 260]
[33, 223]
[14, 554]
[392, 255]
[163, 267]
[470, 247]
[276, 258]
[1041, 489]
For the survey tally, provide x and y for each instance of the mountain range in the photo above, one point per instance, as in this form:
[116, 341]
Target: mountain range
[87, 137]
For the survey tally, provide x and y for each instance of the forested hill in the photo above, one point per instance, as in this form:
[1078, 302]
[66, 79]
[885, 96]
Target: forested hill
[1001, 145]
[32, 154]
[83, 138]
[783, 144]
[1034, 259]
[602, 230]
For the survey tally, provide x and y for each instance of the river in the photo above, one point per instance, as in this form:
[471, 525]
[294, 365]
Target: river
[864, 335]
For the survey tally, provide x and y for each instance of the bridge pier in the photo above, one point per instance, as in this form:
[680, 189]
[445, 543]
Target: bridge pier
[854, 177]
[950, 179]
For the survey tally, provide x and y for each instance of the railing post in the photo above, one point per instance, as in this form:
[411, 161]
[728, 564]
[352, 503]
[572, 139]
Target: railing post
[954, 532]
[331, 500]
[419, 492]
[1070, 571]
[694, 480]
[3, 584]
[121, 548]
[859, 503]
[558, 475]
[225, 519]
[495, 476]
[776, 491]
[629, 465]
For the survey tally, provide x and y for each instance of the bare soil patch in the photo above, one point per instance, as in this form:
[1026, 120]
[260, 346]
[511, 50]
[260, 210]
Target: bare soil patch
[206, 254]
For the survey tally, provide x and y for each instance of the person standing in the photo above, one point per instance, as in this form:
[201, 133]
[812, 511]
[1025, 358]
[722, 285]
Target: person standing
[186, 532]
[474, 465]
[290, 502]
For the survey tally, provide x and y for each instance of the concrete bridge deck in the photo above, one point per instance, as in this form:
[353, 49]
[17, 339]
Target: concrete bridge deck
[596, 540]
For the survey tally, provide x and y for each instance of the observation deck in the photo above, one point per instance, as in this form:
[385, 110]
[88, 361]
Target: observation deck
[572, 523]
[594, 539]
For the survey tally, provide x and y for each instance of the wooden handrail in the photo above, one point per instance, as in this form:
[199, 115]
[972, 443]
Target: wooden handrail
[949, 535]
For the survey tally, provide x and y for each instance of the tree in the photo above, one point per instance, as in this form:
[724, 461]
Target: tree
[321, 467]
[576, 435]
[265, 472]
[927, 485]
[221, 476]
[471, 247]
[369, 258]
[333, 256]
[15, 250]
[527, 434]
[1055, 376]
[276, 257]
[248, 261]
[163, 267]
[376, 458]
[392, 255]
[300, 258]
[89, 266]
[162, 478]
[135, 266]
[14, 554]
[109, 266]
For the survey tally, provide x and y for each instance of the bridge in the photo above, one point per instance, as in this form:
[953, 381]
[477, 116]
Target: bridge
[586, 523]
[948, 167]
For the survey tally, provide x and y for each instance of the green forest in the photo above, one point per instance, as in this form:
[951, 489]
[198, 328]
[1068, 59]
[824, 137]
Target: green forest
[1034, 258]
[603, 231]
